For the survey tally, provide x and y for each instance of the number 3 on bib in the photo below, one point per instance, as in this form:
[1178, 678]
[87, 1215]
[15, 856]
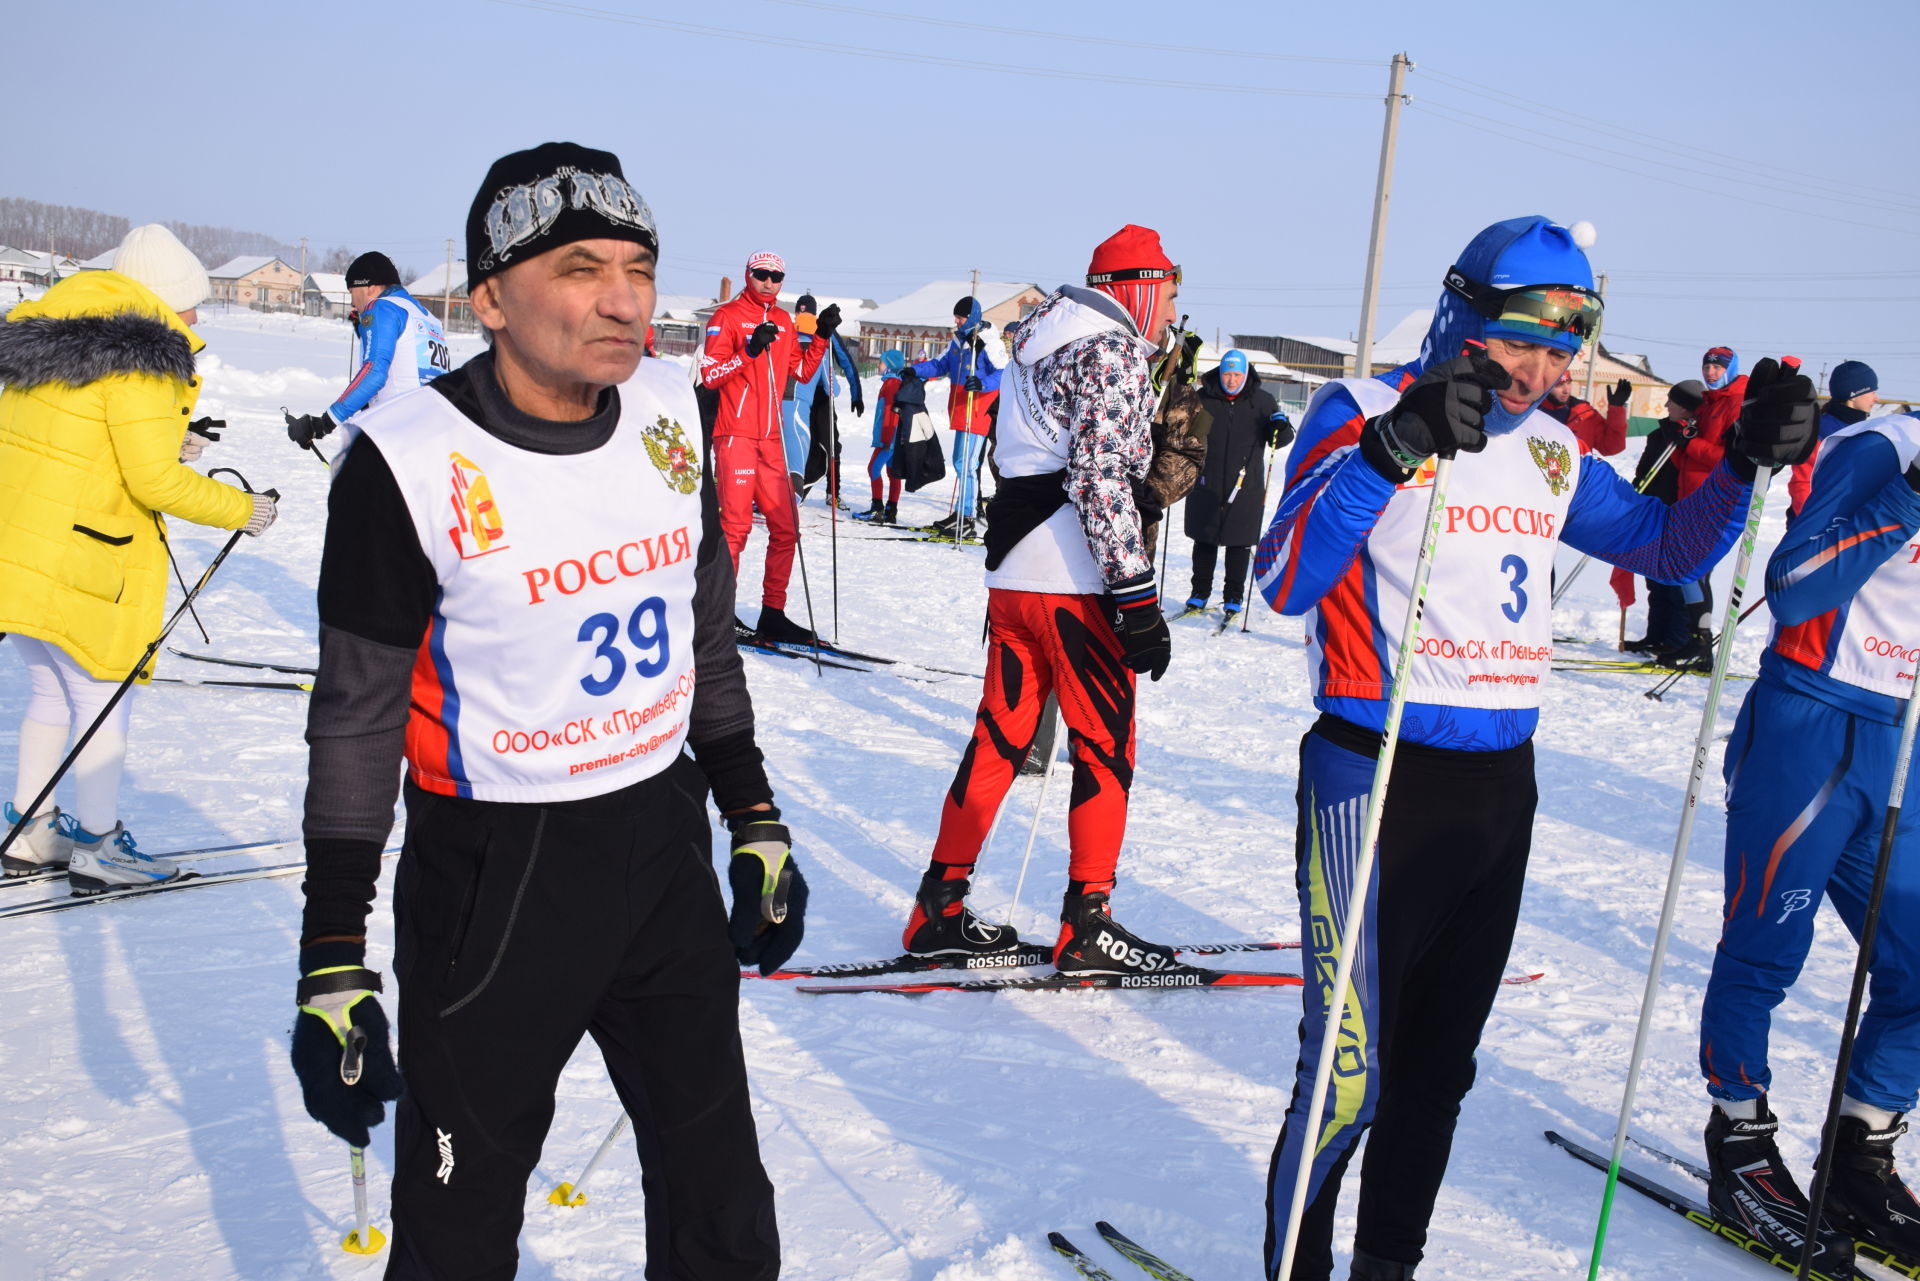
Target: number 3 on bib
[1514, 608]
[646, 630]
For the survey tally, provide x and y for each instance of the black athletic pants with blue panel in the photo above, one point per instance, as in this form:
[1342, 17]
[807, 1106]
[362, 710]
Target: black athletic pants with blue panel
[520, 929]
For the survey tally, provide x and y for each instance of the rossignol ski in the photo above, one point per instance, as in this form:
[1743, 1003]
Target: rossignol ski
[1024, 955]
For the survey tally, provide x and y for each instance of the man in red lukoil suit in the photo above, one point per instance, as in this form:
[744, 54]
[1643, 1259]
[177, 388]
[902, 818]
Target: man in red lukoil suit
[752, 352]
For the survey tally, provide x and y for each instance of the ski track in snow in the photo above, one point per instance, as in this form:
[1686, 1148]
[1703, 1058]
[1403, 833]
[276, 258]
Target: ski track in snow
[153, 1127]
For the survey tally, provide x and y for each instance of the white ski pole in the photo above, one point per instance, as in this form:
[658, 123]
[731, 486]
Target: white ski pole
[1696, 783]
[1363, 865]
[575, 1193]
[365, 1238]
[1033, 828]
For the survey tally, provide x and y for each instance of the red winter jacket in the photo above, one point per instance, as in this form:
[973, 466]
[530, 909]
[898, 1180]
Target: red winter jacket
[1697, 457]
[1603, 434]
[751, 389]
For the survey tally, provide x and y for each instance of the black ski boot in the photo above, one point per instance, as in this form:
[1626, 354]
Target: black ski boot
[1696, 655]
[1371, 1267]
[1866, 1195]
[1644, 645]
[1092, 942]
[1751, 1189]
[776, 626]
[890, 514]
[943, 925]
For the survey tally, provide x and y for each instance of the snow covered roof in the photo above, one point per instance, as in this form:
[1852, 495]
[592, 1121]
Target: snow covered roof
[330, 284]
[679, 306]
[931, 305]
[100, 261]
[434, 283]
[1402, 343]
[244, 265]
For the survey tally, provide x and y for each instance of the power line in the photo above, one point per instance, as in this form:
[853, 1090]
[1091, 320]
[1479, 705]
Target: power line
[562, 9]
[954, 24]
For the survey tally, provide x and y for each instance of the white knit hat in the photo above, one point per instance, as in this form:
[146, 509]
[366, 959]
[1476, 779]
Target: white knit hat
[155, 257]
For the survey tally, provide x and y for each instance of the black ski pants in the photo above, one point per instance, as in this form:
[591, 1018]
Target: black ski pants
[520, 928]
[1439, 923]
[1233, 590]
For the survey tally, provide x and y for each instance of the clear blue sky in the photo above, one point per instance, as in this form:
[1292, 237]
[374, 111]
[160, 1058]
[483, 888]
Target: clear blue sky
[1750, 168]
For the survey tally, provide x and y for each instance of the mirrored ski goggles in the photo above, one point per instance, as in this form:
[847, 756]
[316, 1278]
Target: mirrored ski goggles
[1134, 273]
[1536, 313]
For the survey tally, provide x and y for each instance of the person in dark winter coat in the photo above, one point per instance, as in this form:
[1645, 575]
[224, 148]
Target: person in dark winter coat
[1225, 507]
[1656, 474]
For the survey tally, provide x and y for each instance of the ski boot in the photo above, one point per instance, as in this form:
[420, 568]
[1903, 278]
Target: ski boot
[1750, 1188]
[943, 925]
[1193, 606]
[890, 514]
[1092, 942]
[111, 861]
[1694, 656]
[1644, 645]
[43, 844]
[1371, 1267]
[1866, 1195]
[945, 524]
[872, 513]
[776, 626]
[966, 530]
[1232, 608]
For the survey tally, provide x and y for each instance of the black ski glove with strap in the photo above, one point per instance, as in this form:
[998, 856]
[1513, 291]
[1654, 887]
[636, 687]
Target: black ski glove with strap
[829, 321]
[1141, 625]
[1620, 393]
[1779, 417]
[761, 338]
[342, 1049]
[769, 916]
[1443, 412]
[307, 428]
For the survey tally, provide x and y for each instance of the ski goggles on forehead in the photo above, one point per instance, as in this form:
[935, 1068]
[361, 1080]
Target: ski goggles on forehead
[1134, 273]
[766, 273]
[1547, 312]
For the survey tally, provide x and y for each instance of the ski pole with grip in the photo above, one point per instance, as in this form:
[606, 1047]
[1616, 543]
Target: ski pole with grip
[114, 701]
[1696, 783]
[1856, 995]
[1246, 588]
[365, 1238]
[1051, 710]
[1363, 862]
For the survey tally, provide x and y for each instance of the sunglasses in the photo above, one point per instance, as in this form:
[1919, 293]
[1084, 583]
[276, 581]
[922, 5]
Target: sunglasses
[1138, 273]
[761, 273]
[1545, 311]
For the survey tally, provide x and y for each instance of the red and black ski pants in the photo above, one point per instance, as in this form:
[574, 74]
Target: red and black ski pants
[1041, 643]
[519, 929]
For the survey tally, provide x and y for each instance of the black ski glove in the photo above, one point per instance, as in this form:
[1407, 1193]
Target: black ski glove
[829, 321]
[769, 916]
[342, 1051]
[973, 383]
[1620, 393]
[761, 338]
[1279, 431]
[1779, 418]
[307, 428]
[859, 405]
[1441, 413]
[1143, 631]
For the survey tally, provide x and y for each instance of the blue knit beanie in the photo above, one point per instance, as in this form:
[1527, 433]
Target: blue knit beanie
[1852, 378]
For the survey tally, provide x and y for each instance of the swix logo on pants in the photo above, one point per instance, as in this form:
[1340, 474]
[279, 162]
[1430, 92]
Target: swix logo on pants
[445, 1142]
[1127, 954]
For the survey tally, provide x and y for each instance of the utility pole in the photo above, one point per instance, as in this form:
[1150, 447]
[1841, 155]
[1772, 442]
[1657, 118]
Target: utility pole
[303, 275]
[1370, 295]
[1593, 348]
[446, 296]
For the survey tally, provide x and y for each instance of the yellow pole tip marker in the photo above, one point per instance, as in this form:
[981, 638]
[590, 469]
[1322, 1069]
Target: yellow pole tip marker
[563, 1195]
[375, 1243]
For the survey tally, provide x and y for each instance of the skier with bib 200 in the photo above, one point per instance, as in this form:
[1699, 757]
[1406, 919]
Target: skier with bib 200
[523, 591]
[1071, 603]
[402, 345]
[1453, 845]
[752, 351]
[1809, 769]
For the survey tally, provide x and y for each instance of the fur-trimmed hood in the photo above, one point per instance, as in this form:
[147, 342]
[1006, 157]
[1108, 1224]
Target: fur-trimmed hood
[92, 326]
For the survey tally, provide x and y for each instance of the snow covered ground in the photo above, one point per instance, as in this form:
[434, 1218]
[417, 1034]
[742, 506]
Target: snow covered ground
[150, 1126]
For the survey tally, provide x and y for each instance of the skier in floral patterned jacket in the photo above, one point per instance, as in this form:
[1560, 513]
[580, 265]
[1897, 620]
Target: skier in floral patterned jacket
[1071, 604]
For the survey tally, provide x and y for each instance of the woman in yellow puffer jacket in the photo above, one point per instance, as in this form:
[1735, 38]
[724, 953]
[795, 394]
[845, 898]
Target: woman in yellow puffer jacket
[99, 389]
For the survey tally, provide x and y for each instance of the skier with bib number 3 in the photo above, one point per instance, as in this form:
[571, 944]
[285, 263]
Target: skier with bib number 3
[524, 592]
[1457, 823]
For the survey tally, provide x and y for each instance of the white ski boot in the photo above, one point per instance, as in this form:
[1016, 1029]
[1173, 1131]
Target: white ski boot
[44, 844]
[110, 861]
